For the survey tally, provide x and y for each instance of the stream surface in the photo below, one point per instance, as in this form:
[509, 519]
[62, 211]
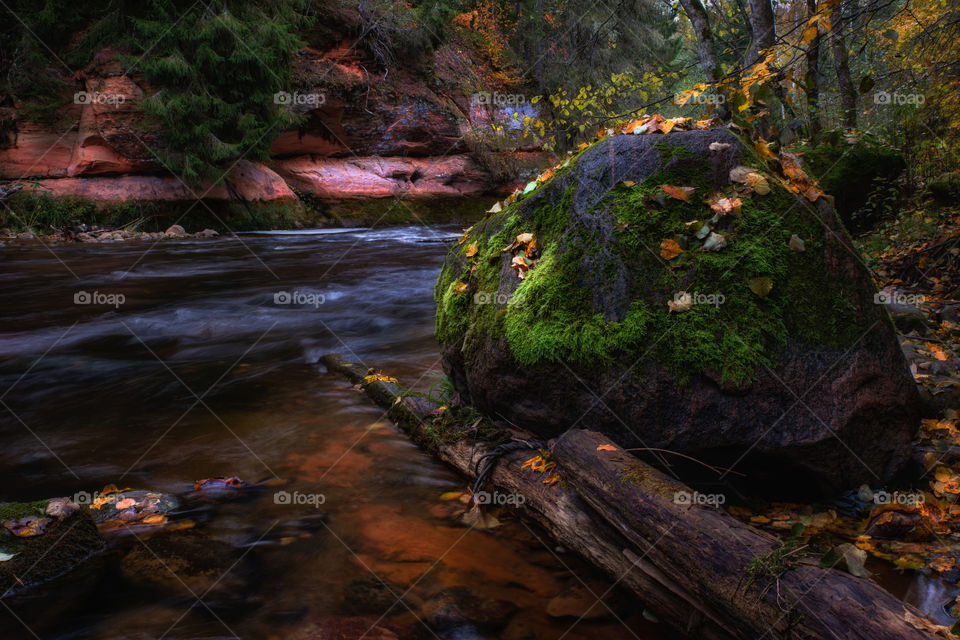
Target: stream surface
[206, 370]
[207, 366]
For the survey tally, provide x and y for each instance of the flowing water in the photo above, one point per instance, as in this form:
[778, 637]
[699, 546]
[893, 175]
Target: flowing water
[154, 366]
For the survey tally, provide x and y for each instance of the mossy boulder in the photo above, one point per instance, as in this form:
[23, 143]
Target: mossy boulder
[804, 386]
[67, 539]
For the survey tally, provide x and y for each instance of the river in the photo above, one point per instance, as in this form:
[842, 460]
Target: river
[153, 366]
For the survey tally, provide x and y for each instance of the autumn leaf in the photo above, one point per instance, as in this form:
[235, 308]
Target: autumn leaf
[680, 193]
[126, 503]
[451, 495]
[681, 302]
[796, 244]
[460, 287]
[761, 286]
[629, 183]
[378, 377]
[669, 249]
[606, 447]
[472, 250]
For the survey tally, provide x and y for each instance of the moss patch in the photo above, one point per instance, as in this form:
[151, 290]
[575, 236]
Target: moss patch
[553, 315]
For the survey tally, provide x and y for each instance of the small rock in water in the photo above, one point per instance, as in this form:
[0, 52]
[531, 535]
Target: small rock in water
[61, 508]
[175, 230]
[208, 233]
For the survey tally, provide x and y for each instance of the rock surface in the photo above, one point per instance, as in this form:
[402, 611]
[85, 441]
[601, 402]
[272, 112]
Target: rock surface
[805, 388]
[360, 138]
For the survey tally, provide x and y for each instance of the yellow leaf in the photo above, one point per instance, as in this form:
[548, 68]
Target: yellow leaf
[761, 286]
[377, 377]
[460, 287]
[472, 250]
[451, 495]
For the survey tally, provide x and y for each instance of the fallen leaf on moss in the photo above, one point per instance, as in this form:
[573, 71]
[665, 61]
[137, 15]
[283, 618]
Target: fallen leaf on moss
[669, 249]
[680, 193]
[682, 302]
[761, 286]
[472, 250]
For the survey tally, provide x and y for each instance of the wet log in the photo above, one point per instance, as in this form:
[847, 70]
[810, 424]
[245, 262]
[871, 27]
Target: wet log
[686, 563]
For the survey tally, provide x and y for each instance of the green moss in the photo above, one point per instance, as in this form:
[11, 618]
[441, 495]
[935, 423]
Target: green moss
[16, 510]
[551, 315]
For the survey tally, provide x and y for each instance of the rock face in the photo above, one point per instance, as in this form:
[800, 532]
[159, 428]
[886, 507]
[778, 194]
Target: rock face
[361, 138]
[802, 386]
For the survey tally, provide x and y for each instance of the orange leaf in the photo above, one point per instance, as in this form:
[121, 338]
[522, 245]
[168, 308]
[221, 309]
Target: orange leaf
[606, 447]
[680, 193]
[669, 249]
[472, 250]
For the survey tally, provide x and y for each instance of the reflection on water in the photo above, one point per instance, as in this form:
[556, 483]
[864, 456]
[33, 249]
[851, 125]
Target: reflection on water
[203, 371]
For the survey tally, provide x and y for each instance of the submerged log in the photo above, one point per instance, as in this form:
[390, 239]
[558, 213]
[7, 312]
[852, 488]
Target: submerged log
[687, 563]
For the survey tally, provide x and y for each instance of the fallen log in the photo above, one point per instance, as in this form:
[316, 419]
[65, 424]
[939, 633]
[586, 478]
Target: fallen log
[687, 563]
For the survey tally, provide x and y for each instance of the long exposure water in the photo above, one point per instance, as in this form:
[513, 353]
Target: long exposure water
[152, 367]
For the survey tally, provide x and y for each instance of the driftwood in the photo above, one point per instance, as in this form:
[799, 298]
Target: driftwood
[686, 563]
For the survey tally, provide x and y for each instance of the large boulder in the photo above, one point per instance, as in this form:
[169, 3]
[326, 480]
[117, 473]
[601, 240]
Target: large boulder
[800, 386]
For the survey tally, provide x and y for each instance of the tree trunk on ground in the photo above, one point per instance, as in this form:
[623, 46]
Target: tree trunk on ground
[763, 30]
[811, 82]
[686, 562]
[848, 93]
